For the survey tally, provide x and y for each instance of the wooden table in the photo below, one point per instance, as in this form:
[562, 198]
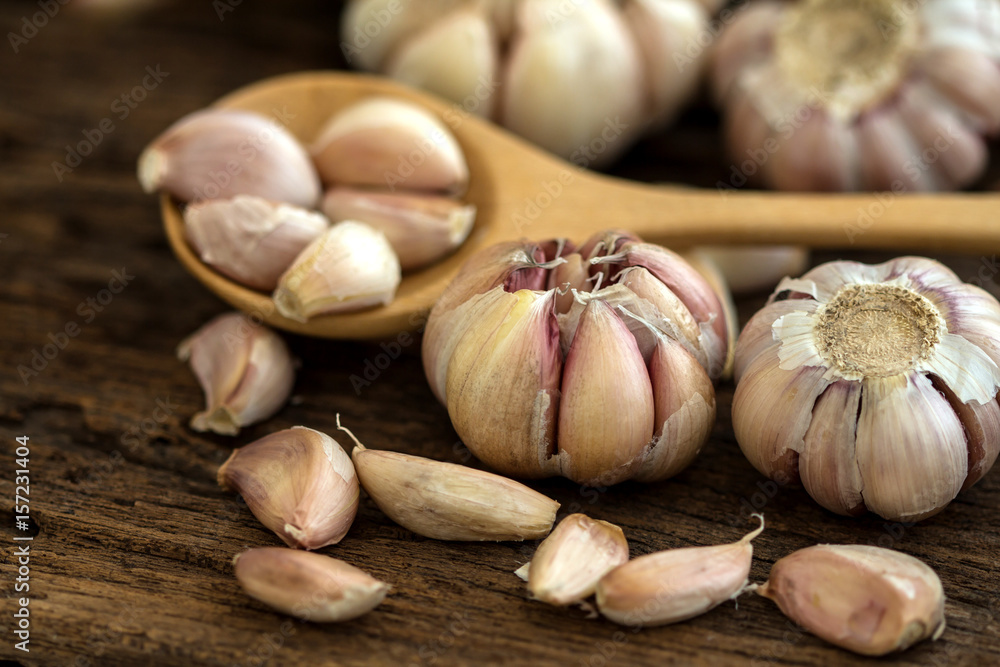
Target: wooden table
[133, 539]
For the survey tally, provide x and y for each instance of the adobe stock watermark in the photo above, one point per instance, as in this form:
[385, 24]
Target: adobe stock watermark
[223, 7]
[374, 366]
[30, 25]
[59, 340]
[369, 28]
[696, 45]
[121, 107]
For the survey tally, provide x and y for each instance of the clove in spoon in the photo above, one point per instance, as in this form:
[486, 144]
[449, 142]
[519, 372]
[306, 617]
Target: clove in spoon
[522, 192]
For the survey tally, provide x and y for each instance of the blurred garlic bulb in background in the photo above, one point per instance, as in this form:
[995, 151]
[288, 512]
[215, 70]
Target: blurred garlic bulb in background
[875, 386]
[852, 95]
[582, 79]
[595, 363]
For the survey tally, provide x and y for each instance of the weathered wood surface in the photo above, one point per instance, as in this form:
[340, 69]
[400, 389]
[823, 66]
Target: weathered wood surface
[131, 561]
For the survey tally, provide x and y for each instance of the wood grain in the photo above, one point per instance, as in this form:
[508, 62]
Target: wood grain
[131, 562]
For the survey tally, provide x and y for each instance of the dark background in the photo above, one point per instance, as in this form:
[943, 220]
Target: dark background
[131, 559]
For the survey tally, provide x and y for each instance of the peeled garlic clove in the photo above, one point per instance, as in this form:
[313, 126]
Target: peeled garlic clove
[420, 228]
[446, 501]
[568, 564]
[456, 58]
[392, 144]
[677, 584]
[309, 586]
[219, 153]
[585, 60]
[349, 267]
[371, 29]
[299, 483]
[866, 599]
[244, 368]
[250, 239]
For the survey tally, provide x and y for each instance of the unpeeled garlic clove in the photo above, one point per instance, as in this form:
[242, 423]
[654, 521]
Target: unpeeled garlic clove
[299, 483]
[349, 267]
[250, 239]
[306, 585]
[371, 29]
[447, 501]
[244, 368]
[218, 153]
[568, 564]
[677, 584]
[393, 144]
[420, 228]
[866, 599]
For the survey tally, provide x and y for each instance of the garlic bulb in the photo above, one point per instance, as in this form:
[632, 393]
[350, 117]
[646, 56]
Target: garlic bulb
[593, 363]
[221, 153]
[580, 79]
[244, 368]
[250, 239]
[874, 385]
[848, 95]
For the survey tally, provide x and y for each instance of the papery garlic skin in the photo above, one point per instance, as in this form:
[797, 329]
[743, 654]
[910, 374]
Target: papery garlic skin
[299, 482]
[843, 95]
[677, 584]
[420, 228]
[221, 153]
[569, 562]
[349, 267]
[611, 384]
[867, 599]
[250, 239]
[244, 368]
[306, 585]
[875, 386]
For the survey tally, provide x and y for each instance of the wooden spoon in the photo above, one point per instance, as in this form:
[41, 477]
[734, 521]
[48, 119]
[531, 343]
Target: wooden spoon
[522, 192]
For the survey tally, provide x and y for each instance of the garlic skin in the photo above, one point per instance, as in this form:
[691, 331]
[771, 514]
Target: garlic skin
[349, 267]
[388, 143]
[676, 584]
[244, 368]
[420, 228]
[568, 564]
[250, 239]
[306, 585]
[580, 79]
[299, 483]
[220, 153]
[875, 386]
[613, 383]
[867, 599]
[447, 501]
[843, 95]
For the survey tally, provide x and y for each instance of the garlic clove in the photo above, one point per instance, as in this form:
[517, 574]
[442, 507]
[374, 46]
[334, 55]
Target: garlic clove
[757, 268]
[250, 239]
[244, 369]
[970, 81]
[676, 584]
[820, 156]
[866, 599]
[510, 361]
[744, 43]
[306, 585]
[392, 144]
[568, 564]
[602, 434]
[981, 423]
[757, 335]
[586, 61]
[455, 57]
[662, 30]
[349, 267]
[447, 501]
[371, 29]
[299, 483]
[420, 228]
[887, 153]
[746, 132]
[642, 283]
[684, 400]
[218, 153]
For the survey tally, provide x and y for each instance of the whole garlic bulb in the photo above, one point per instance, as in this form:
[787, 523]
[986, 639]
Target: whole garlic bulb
[580, 79]
[875, 386]
[595, 363]
[849, 95]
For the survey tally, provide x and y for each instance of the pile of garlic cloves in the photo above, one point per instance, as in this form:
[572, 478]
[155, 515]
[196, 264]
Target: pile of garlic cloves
[393, 174]
[580, 79]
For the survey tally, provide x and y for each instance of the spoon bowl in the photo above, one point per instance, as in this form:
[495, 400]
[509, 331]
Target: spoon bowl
[521, 191]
